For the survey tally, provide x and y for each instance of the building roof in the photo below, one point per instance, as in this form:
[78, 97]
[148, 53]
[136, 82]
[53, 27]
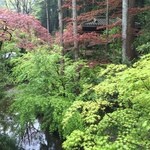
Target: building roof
[97, 22]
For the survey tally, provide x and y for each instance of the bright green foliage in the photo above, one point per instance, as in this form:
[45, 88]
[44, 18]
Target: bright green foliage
[80, 129]
[111, 70]
[129, 85]
[123, 121]
[46, 87]
[79, 140]
[123, 129]
[89, 111]
[114, 116]
[145, 48]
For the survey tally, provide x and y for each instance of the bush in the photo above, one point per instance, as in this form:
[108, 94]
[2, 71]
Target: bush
[119, 116]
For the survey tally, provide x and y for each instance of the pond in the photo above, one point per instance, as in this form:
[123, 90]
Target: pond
[37, 140]
[41, 141]
[34, 138]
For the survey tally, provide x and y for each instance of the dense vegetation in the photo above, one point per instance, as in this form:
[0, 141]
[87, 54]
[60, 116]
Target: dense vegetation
[113, 120]
[113, 114]
[93, 103]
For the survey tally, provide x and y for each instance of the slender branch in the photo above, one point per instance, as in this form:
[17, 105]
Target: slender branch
[148, 88]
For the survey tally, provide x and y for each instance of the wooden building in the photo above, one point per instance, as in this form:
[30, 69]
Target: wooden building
[97, 24]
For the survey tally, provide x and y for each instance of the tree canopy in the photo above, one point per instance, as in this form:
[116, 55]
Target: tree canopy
[78, 68]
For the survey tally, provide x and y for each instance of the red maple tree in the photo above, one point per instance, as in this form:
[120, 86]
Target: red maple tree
[21, 24]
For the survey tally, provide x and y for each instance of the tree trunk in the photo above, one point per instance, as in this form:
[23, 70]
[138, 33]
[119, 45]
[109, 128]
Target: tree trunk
[128, 51]
[1, 43]
[47, 16]
[107, 23]
[60, 17]
[131, 53]
[124, 29]
[74, 18]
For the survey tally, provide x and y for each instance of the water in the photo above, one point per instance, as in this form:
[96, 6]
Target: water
[37, 140]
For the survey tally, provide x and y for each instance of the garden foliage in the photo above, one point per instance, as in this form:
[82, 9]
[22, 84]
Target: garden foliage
[119, 116]
[46, 87]
[105, 107]
[110, 111]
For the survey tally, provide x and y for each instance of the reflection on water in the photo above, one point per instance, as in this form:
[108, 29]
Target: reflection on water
[37, 140]
[41, 142]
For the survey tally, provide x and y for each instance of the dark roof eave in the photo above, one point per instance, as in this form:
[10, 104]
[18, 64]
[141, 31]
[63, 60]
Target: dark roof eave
[89, 26]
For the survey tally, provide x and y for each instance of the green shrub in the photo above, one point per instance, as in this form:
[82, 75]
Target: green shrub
[122, 122]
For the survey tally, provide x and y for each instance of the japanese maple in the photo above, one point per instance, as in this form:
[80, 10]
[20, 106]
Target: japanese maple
[25, 28]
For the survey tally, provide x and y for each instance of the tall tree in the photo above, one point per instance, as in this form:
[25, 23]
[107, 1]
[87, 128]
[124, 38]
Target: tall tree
[39, 10]
[107, 23]
[21, 6]
[47, 15]
[128, 51]
[124, 29]
[60, 18]
[74, 18]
